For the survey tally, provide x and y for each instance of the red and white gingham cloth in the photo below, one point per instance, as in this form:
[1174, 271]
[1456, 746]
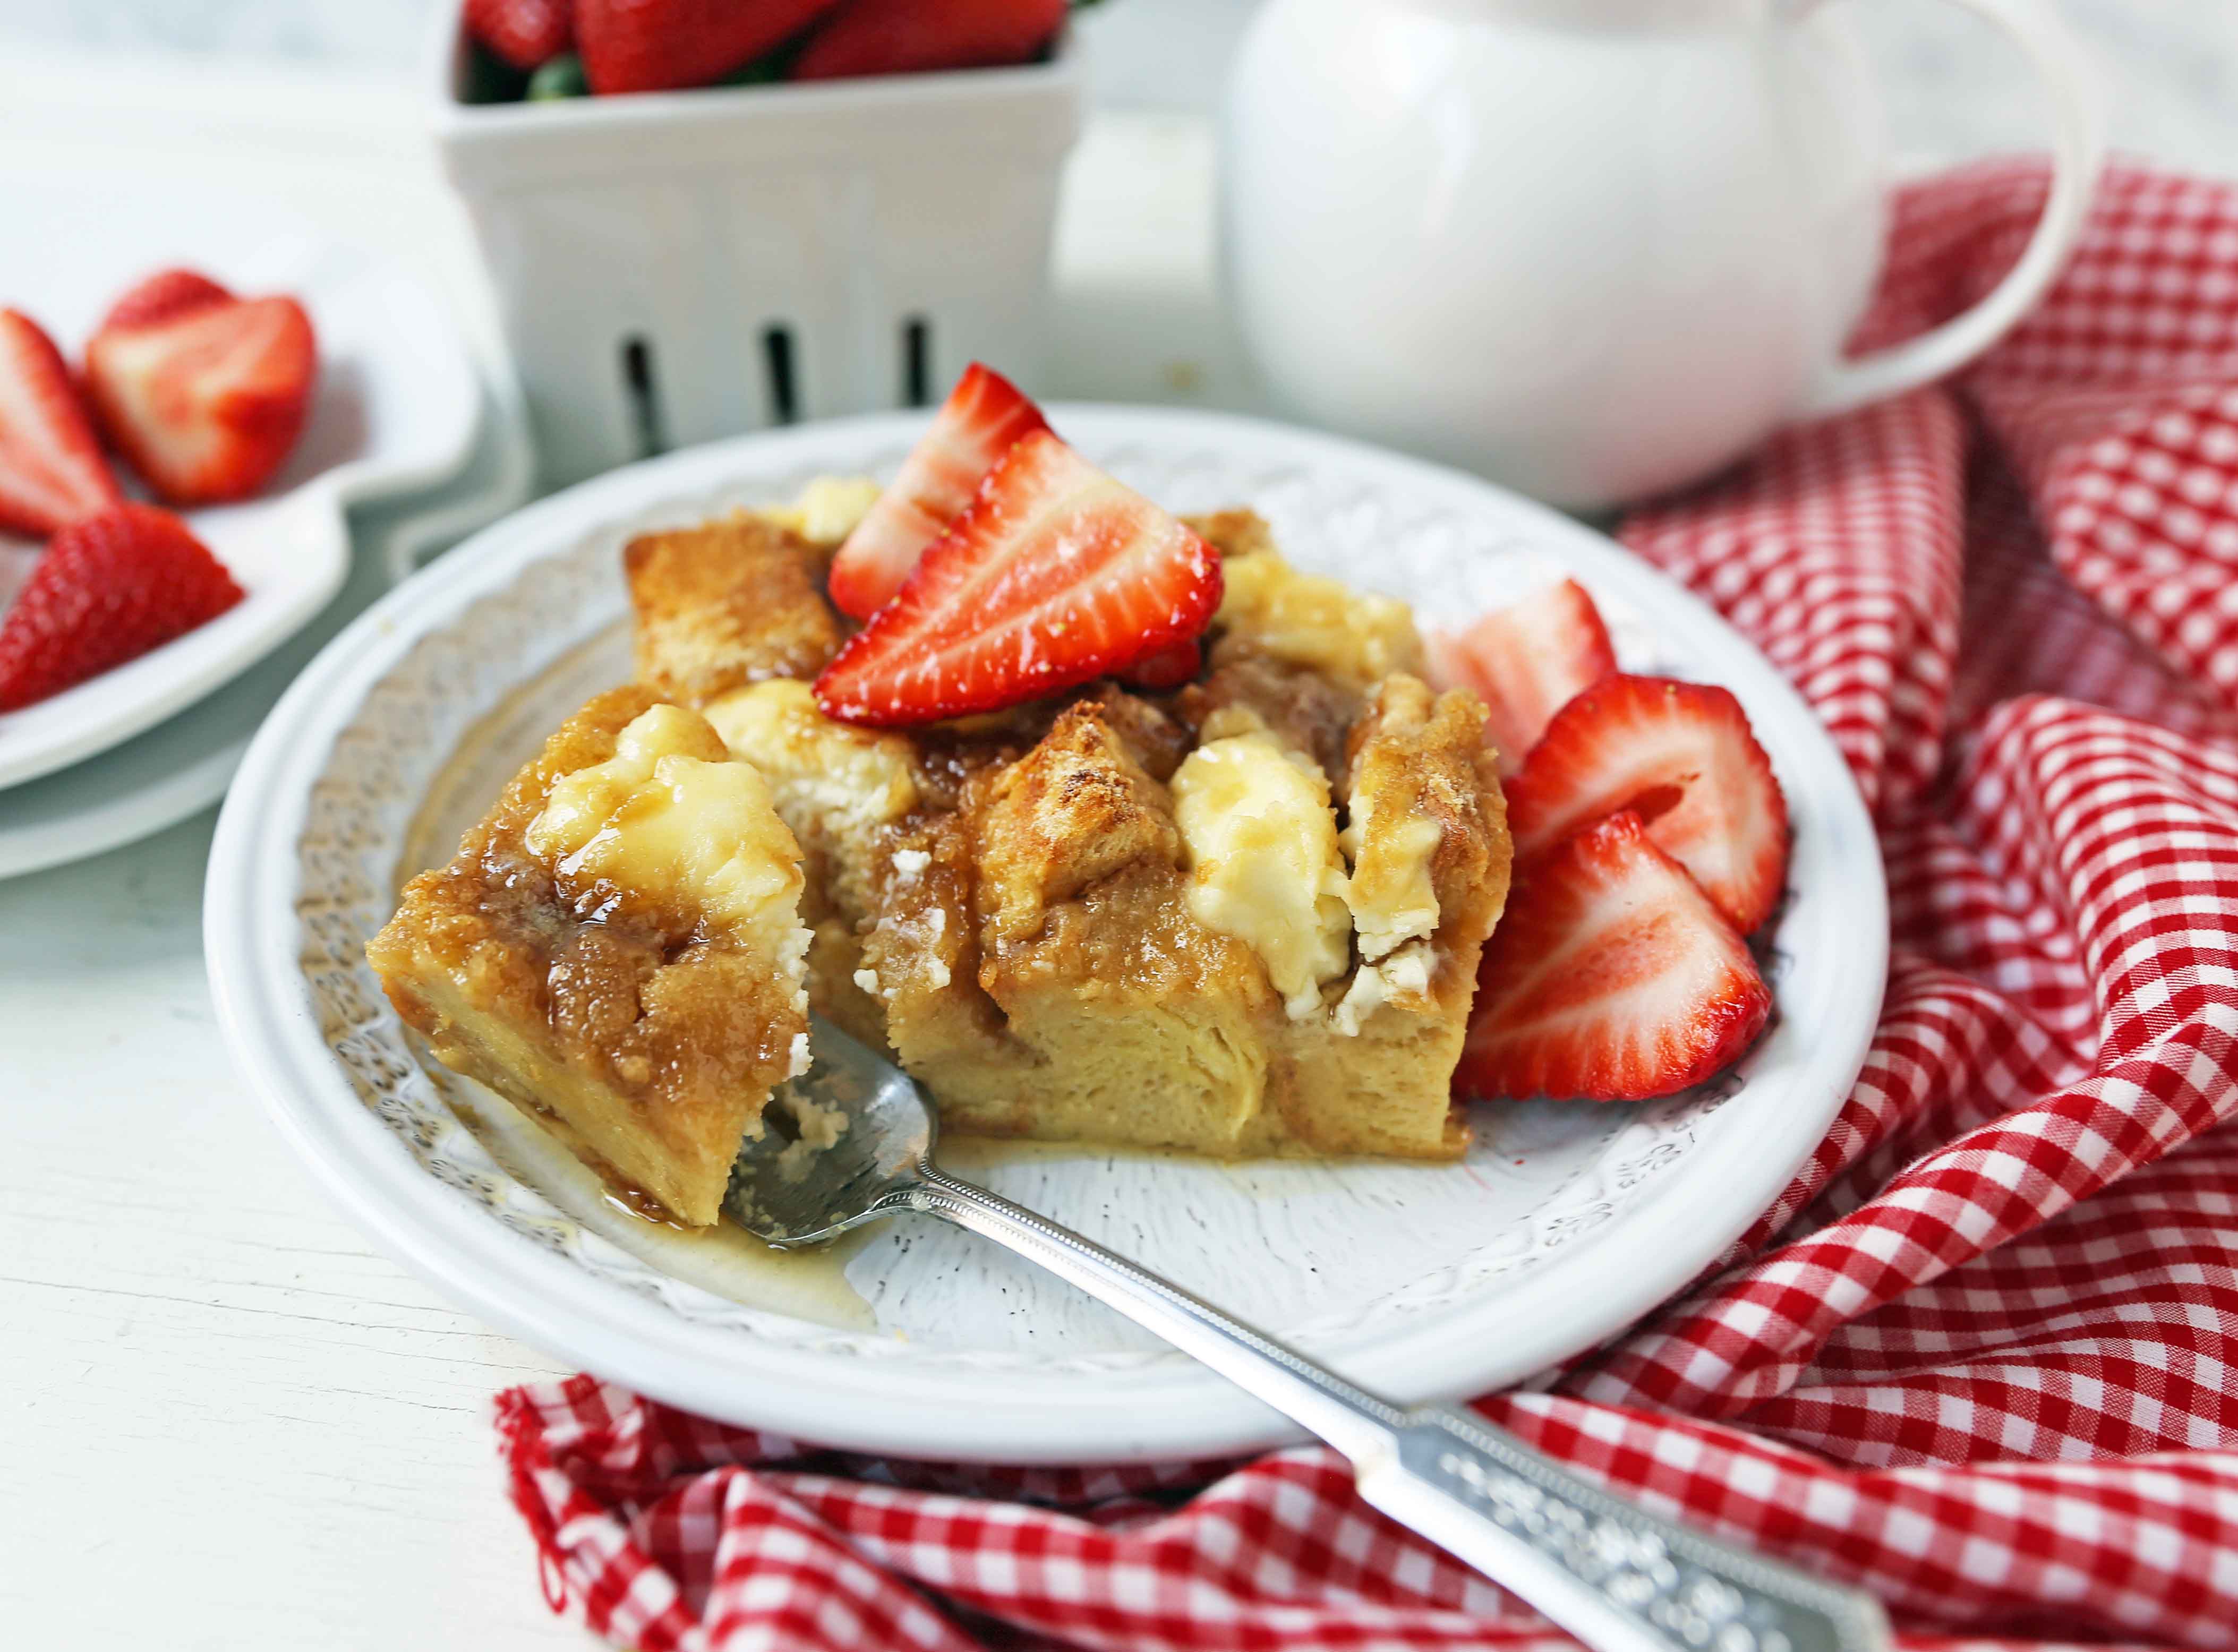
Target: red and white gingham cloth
[1979, 1358]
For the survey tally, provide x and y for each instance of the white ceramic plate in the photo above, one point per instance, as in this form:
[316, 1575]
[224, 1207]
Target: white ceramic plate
[397, 407]
[1565, 1222]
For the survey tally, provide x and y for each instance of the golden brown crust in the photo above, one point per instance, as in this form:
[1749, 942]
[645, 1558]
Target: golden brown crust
[1418, 761]
[657, 1044]
[1234, 532]
[732, 602]
[1077, 808]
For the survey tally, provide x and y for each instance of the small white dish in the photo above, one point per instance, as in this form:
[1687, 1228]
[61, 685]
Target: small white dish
[163, 775]
[1564, 1223]
[397, 407]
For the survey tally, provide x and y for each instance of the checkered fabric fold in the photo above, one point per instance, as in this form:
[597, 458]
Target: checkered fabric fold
[1977, 1359]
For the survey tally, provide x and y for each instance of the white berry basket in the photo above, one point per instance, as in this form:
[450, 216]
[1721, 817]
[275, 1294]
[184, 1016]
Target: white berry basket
[676, 266]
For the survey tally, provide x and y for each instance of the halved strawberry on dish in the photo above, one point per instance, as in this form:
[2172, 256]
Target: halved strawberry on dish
[51, 471]
[1612, 977]
[203, 392]
[1053, 575]
[1525, 661]
[109, 588]
[983, 418]
[1682, 757]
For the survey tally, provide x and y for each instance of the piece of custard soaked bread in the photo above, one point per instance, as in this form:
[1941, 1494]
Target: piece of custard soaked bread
[1240, 915]
[1111, 826]
[618, 948]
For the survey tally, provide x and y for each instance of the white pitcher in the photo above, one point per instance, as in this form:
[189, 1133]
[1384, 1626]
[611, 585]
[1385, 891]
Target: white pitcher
[1591, 248]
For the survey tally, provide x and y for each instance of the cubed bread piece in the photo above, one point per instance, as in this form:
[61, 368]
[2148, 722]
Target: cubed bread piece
[1428, 821]
[837, 785]
[1040, 970]
[1076, 808]
[1270, 611]
[1427, 838]
[617, 946]
[731, 602]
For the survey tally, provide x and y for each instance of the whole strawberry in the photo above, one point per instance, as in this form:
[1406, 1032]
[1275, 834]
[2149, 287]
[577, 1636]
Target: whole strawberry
[661, 45]
[109, 588]
[911, 37]
[526, 33]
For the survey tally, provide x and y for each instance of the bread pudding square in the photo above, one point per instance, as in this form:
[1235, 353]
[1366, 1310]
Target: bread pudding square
[616, 947]
[1039, 970]
[732, 602]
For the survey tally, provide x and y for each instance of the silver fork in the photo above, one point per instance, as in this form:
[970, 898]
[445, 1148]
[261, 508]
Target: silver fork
[1620, 1579]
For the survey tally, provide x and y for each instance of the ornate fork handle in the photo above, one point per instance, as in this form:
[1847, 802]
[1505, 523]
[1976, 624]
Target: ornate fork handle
[1620, 1579]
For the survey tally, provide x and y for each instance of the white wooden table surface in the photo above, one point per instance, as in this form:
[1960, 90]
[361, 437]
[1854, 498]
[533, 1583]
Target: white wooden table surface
[225, 1423]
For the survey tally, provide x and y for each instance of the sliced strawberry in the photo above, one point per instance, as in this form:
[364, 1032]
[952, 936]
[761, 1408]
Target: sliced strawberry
[1054, 574]
[1170, 667]
[1527, 661]
[165, 296]
[203, 392]
[1681, 755]
[51, 471]
[523, 32]
[909, 36]
[663, 45]
[1610, 977]
[982, 419]
[109, 588]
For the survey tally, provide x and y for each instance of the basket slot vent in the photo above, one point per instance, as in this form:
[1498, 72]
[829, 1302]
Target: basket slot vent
[778, 363]
[641, 385]
[916, 362]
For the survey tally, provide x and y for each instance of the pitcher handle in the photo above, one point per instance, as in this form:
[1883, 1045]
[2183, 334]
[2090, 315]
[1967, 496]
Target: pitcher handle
[2077, 151]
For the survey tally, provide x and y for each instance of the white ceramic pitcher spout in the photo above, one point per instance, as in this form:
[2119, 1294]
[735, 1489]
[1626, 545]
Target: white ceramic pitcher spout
[1591, 248]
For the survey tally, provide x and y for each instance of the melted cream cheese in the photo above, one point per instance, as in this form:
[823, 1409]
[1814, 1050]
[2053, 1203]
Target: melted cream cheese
[825, 776]
[671, 814]
[1404, 974]
[1310, 620]
[1261, 846]
[827, 510]
[1397, 902]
